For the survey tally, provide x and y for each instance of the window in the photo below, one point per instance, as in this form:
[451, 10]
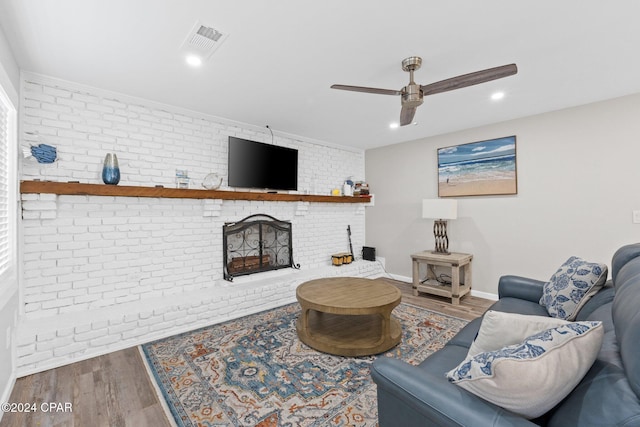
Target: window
[7, 186]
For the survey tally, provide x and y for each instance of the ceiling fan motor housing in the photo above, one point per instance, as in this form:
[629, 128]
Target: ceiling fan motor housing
[412, 95]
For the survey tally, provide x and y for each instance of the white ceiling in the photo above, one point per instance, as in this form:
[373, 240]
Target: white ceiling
[281, 56]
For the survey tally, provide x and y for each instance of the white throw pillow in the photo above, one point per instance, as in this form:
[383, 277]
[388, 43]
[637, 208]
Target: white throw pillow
[499, 329]
[532, 377]
[571, 287]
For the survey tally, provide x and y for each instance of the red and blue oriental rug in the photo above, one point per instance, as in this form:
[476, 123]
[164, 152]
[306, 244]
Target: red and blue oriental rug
[254, 371]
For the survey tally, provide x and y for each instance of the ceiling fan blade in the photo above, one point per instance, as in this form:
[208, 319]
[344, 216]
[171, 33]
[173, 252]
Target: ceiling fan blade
[469, 79]
[406, 115]
[367, 89]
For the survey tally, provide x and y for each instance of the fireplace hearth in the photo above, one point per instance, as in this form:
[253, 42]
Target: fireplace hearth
[255, 244]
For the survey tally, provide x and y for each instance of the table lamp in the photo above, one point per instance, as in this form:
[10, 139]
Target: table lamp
[440, 210]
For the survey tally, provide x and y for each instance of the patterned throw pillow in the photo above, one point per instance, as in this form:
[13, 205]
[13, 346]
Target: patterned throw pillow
[571, 287]
[532, 377]
[500, 329]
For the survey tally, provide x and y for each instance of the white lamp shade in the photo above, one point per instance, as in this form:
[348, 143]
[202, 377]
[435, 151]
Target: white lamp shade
[440, 208]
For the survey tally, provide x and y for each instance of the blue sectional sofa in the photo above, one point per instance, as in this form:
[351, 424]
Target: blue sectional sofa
[608, 395]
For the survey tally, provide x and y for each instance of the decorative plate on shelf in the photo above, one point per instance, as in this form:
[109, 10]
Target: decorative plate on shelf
[212, 181]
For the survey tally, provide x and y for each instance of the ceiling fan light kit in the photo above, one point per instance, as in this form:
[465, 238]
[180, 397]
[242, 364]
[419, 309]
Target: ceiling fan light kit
[412, 95]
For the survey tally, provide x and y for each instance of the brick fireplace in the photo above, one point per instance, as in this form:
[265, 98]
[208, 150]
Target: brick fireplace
[102, 273]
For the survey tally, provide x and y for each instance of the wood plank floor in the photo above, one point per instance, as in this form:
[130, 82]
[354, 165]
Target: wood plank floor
[114, 390]
[470, 307]
[110, 390]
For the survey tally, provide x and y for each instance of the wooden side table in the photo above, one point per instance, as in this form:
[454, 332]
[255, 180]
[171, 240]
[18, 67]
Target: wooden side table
[455, 261]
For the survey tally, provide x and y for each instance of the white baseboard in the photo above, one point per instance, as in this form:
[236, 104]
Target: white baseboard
[485, 295]
[401, 278]
[6, 393]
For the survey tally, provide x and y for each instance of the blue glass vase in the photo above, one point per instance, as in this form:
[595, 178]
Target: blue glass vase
[111, 170]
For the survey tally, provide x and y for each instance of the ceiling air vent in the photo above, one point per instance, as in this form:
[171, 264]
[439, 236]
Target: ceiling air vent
[203, 40]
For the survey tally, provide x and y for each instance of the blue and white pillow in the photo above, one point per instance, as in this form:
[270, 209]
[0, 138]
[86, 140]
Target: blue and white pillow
[532, 377]
[571, 287]
[500, 329]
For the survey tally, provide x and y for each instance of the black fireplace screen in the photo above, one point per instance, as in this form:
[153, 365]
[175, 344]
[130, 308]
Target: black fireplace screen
[255, 244]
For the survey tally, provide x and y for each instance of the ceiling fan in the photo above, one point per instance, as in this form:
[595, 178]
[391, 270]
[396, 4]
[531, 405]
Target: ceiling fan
[413, 93]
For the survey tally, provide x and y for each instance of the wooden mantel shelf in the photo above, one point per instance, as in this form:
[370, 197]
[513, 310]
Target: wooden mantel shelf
[79, 189]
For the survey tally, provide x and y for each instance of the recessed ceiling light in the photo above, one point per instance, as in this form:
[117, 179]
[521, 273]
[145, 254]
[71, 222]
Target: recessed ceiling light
[498, 95]
[194, 60]
[394, 125]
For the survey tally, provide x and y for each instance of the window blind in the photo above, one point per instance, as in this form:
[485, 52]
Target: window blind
[5, 238]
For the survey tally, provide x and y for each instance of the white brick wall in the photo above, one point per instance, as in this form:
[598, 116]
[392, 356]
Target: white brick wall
[76, 336]
[152, 141]
[103, 273]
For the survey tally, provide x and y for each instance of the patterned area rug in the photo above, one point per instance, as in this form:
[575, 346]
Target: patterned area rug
[254, 371]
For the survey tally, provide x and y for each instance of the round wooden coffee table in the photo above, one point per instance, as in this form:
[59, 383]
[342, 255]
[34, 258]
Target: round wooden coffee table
[348, 316]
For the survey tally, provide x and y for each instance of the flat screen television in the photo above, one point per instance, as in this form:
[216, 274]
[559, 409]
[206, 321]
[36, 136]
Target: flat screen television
[258, 165]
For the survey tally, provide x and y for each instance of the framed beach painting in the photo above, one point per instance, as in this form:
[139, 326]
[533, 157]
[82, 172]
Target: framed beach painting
[480, 168]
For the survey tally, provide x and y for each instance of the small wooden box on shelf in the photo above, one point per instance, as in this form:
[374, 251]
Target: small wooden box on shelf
[455, 261]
